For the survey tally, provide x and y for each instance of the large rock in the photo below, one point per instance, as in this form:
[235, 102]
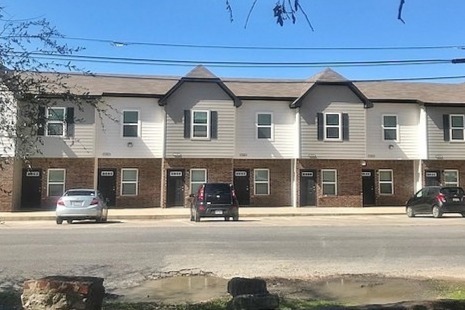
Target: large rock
[63, 293]
[251, 294]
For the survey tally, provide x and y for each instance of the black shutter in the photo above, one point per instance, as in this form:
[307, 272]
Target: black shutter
[321, 126]
[187, 124]
[345, 126]
[41, 122]
[214, 125]
[446, 125]
[70, 122]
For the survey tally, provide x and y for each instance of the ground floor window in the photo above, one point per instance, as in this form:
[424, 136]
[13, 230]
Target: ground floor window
[386, 182]
[56, 182]
[329, 182]
[262, 181]
[129, 181]
[451, 178]
[198, 177]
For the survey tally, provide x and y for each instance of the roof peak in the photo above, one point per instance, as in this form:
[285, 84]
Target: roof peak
[327, 75]
[201, 72]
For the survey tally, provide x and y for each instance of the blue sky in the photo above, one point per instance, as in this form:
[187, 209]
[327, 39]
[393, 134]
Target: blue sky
[337, 23]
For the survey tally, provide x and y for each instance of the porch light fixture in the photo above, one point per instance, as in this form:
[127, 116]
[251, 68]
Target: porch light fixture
[363, 163]
[391, 146]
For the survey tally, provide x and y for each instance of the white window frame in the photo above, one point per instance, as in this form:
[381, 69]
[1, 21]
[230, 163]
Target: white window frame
[452, 128]
[130, 124]
[391, 181]
[326, 182]
[326, 127]
[62, 183]
[197, 183]
[207, 125]
[60, 122]
[265, 126]
[385, 127]
[449, 183]
[267, 181]
[123, 181]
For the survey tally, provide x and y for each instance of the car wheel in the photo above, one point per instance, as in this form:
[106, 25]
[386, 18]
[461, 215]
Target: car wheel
[197, 216]
[226, 218]
[70, 221]
[410, 212]
[436, 212]
[59, 220]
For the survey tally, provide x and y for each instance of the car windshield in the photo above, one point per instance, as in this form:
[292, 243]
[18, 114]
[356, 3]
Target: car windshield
[80, 193]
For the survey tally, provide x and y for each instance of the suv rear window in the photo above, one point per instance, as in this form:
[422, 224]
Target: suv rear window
[452, 191]
[218, 193]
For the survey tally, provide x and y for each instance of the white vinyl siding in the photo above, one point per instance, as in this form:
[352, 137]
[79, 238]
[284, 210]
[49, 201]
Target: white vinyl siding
[284, 142]
[149, 142]
[411, 124]
[329, 99]
[438, 146]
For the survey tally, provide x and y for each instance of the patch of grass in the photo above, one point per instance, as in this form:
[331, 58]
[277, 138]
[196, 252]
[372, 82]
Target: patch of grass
[451, 290]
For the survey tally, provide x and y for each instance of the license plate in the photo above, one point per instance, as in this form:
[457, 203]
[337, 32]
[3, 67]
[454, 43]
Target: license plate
[76, 203]
[455, 199]
[218, 212]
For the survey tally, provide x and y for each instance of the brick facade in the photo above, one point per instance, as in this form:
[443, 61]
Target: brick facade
[149, 185]
[441, 165]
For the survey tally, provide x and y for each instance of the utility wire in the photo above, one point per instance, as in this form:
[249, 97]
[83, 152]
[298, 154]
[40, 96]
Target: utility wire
[121, 43]
[150, 61]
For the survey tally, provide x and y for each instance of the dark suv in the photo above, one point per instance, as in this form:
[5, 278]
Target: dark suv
[215, 200]
[437, 200]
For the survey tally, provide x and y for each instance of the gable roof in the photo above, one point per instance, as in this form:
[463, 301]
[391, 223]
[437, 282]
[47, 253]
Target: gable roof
[200, 74]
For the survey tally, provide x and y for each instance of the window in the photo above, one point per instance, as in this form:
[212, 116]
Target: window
[56, 182]
[386, 183]
[200, 124]
[56, 118]
[264, 126]
[129, 181]
[390, 128]
[262, 181]
[333, 126]
[451, 178]
[130, 123]
[198, 177]
[329, 182]
[457, 127]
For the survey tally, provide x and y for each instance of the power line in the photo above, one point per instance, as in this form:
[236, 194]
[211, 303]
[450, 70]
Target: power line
[173, 62]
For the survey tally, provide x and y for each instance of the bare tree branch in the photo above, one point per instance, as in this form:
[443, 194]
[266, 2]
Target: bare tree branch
[399, 14]
[250, 12]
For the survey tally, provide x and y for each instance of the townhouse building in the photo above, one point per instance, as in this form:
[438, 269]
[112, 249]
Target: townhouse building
[321, 142]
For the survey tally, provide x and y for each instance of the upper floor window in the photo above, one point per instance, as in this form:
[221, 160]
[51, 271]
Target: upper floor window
[390, 128]
[386, 182]
[333, 126]
[130, 123]
[451, 178]
[56, 182]
[457, 127]
[200, 124]
[264, 126]
[329, 182]
[56, 122]
[129, 182]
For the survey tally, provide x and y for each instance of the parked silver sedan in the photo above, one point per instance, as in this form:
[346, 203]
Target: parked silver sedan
[81, 204]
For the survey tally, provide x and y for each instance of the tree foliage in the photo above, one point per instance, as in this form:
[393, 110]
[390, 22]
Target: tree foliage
[287, 10]
[29, 83]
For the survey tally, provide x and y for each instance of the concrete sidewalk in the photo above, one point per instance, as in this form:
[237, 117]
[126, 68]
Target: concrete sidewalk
[173, 213]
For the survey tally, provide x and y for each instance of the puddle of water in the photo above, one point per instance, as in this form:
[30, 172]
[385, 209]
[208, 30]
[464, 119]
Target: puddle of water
[178, 290]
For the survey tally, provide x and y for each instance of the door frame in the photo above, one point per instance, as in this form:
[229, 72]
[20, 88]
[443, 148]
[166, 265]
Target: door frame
[312, 202]
[173, 198]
